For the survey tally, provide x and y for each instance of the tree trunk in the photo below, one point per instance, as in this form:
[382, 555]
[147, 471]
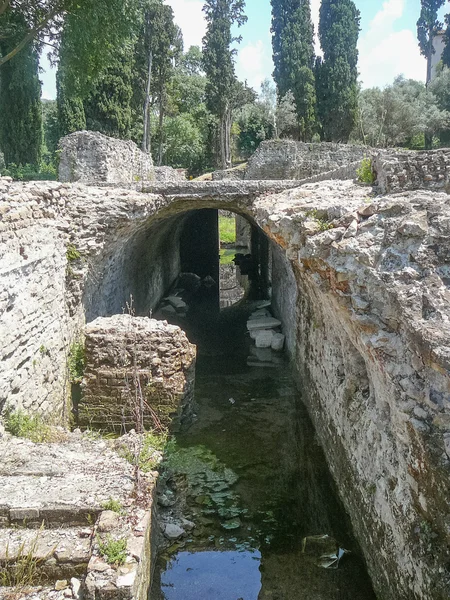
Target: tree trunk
[161, 120]
[146, 138]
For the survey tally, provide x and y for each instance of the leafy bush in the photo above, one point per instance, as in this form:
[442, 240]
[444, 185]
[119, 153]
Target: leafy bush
[76, 362]
[42, 172]
[113, 550]
[365, 173]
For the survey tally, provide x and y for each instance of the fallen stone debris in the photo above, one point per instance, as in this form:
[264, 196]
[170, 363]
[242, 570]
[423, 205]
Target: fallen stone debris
[265, 331]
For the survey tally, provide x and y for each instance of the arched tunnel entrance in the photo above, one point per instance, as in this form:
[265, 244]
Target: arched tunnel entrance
[245, 484]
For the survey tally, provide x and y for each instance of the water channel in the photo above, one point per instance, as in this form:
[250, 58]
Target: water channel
[255, 483]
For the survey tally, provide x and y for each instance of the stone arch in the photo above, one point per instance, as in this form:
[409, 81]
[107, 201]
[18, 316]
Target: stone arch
[141, 257]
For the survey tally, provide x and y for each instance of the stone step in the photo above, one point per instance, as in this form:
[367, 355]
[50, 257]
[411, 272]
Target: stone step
[58, 554]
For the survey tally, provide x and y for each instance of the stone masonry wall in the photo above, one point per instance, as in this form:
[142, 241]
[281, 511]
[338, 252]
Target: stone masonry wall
[133, 359]
[91, 157]
[286, 159]
[35, 329]
[372, 353]
[398, 171]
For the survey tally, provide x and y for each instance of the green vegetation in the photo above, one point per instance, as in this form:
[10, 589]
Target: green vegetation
[148, 457]
[114, 551]
[227, 256]
[337, 72]
[321, 219]
[20, 91]
[24, 569]
[76, 362]
[32, 427]
[114, 505]
[218, 61]
[72, 253]
[227, 229]
[365, 172]
[42, 172]
[293, 56]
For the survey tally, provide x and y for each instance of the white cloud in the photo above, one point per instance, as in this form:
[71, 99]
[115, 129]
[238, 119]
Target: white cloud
[189, 16]
[385, 53]
[253, 64]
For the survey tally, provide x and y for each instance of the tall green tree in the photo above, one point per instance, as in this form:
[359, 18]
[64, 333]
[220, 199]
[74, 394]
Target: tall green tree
[293, 56]
[20, 97]
[337, 73]
[108, 107]
[218, 61]
[428, 26]
[158, 48]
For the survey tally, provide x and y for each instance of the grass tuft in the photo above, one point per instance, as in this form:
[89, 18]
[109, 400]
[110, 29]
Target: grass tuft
[113, 505]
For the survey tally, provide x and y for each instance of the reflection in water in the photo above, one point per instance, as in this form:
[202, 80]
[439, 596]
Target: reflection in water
[256, 483]
[212, 576]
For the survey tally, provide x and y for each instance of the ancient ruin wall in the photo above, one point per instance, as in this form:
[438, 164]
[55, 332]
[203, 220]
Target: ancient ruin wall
[134, 360]
[371, 318]
[91, 157]
[286, 159]
[372, 354]
[409, 170]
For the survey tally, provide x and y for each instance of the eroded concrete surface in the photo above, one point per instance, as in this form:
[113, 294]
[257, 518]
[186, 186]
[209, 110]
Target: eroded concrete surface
[52, 507]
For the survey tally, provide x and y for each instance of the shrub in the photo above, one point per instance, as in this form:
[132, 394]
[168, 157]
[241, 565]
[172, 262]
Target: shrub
[42, 172]
[365, 172]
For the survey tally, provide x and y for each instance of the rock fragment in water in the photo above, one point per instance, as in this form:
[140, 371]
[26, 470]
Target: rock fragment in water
[263, 323]
[264, 338]
[172, 531]
[278, 341]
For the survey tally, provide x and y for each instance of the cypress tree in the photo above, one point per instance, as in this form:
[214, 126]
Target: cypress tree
[20, 99]
[337, 73]
[219, 67]
[293, 56]
[108, 107]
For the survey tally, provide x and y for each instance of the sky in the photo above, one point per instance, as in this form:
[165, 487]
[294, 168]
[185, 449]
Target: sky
[387, 43]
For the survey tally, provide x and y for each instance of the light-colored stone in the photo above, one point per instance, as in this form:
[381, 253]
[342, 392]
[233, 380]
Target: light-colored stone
[172, 531]
[108, 521]
[263, 323]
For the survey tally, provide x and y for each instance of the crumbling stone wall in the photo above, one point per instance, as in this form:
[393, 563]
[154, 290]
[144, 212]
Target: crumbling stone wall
[398, 171]
[91, 157]
[130, 360]
[287, 159]
[370, 311]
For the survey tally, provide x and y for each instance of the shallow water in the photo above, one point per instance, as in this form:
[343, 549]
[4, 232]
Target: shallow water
[256, 484]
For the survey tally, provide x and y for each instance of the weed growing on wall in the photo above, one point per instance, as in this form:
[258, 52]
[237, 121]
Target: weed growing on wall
[76, 362]
[114, 505]
[114, 551]
[72, 253]
[365, 172]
